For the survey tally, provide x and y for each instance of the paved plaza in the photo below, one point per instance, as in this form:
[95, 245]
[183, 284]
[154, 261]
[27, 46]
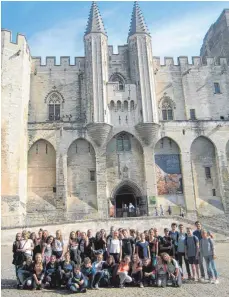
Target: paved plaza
[187, 290]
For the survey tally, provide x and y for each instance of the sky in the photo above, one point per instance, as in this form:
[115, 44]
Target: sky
[56, 28]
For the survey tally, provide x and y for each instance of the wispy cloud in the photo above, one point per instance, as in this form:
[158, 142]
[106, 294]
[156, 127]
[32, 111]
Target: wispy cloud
[174, 37]
[63, 39]
[182, 36]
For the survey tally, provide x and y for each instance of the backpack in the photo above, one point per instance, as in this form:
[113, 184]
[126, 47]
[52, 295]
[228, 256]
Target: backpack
[186, 239]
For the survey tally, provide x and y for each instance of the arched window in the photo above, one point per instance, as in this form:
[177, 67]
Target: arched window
[132, 105]
[119, 105]
[167, 110]
[54, 110]
[54, 98]
[123, 143]
[125, 105]
[112, 104]
[116, 77]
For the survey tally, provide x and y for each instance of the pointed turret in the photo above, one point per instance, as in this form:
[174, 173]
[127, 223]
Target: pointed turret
[95, 22]
[137, 24]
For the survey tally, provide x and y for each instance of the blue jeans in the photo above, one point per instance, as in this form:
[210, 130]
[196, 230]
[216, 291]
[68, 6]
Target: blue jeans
[210, 263]
[97, 277]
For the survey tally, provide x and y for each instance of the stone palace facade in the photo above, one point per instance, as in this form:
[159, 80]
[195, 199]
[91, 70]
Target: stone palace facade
[81, 141]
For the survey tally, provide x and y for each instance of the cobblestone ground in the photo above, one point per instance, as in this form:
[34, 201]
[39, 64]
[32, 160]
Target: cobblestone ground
[187, 289]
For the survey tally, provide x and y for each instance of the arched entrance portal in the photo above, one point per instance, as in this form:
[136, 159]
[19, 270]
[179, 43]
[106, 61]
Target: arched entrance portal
[129, 201]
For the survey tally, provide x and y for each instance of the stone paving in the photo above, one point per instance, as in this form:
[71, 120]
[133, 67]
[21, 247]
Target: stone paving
[187, 290]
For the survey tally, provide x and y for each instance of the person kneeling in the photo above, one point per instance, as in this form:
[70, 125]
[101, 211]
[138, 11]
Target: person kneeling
[149, 273]
[122, 272]
[77, 283]
[25, 273]
[51, 273]
[174, 274]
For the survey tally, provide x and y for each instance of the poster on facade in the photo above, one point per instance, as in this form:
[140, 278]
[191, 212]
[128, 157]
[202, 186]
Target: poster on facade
[168, 174]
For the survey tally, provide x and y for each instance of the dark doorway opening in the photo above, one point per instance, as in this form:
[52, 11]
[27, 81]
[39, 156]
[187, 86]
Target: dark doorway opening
[126, 202]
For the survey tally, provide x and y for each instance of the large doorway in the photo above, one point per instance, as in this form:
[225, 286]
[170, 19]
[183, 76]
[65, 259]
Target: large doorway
[128, 202]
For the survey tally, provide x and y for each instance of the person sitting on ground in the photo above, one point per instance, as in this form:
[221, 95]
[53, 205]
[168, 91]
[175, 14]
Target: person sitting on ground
[149, 273]
[51, 270]
[25, 274]
[161, 273]
[77, 283]
[86, 269]
[136, 271]
[65, 270]
[110, 271]
[38, 273]
[174, 273]
[123, 270]
[97, 272]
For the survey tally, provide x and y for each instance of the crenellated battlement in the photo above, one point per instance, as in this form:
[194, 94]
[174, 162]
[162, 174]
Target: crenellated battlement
[121, 49]
[197, 61]
[21, 41]
[51, 62]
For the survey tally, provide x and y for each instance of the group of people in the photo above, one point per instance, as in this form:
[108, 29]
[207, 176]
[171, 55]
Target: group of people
[123, 257]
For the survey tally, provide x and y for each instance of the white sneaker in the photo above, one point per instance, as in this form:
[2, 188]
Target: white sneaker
[212, 281]
[202, 280]
[216, 281]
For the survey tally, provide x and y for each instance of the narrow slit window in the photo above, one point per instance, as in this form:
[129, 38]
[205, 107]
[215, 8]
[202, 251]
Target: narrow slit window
[46, 149]
[92, 175]
[208, 172]
[217, 88]
[192, 114]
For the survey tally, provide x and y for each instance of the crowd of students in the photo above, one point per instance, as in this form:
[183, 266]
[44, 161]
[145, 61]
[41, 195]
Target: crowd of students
[123, 257]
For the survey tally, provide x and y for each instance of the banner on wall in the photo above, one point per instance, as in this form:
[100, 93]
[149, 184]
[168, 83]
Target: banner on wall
[168, 174]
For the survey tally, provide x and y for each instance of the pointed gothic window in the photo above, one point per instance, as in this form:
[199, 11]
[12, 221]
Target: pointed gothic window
[54, 99]
[167, 111]
[112, 105]
[54, 110]
[123, 143]
[116, 77]
[119, 105]
[125, 105]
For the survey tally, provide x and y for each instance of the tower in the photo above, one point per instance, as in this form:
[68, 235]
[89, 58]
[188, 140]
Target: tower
[16, 68]
[96, 66]
[141, 64]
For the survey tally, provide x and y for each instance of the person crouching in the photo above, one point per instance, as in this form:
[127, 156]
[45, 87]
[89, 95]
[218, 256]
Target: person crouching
[76, 283]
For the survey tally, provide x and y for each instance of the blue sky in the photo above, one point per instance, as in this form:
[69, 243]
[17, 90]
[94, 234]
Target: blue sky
[57, 28]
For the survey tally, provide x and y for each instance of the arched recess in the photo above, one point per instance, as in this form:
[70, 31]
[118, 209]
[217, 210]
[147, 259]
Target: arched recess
[168, 173]
[118, 77]
[205, 176]
[41, 176]
[127, 192]
[81, 164]
[124, 161]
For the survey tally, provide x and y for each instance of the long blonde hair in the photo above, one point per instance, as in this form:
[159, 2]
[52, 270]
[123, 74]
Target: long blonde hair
[35, 262]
